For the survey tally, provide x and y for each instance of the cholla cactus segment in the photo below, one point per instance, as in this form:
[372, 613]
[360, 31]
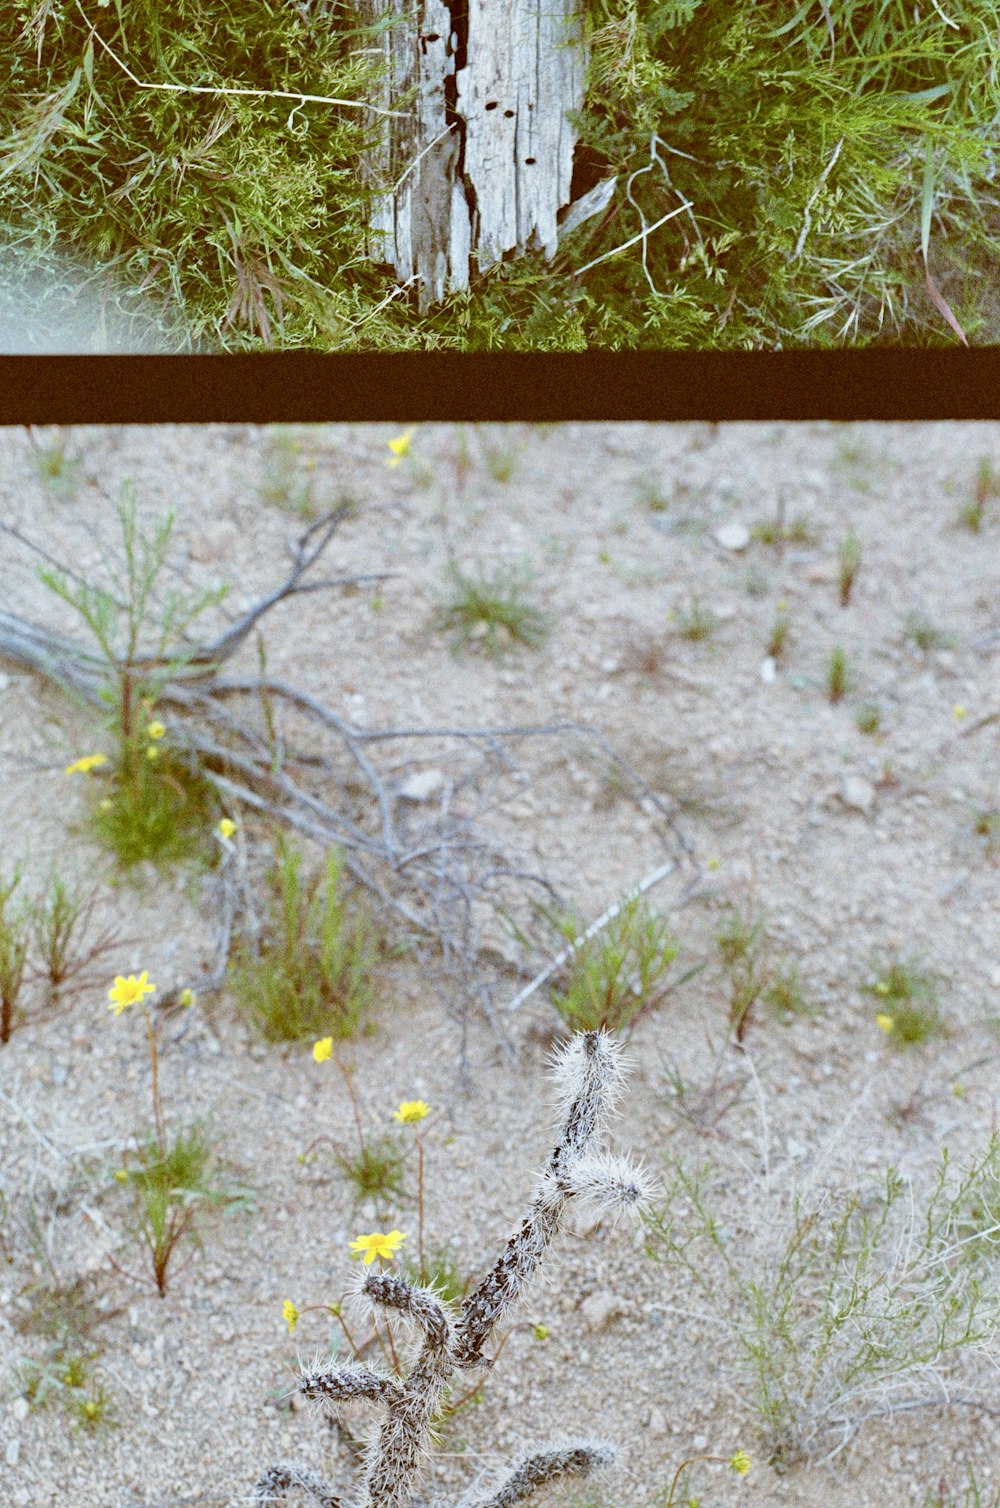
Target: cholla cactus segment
[539, 1471]
[591, 1073]
[589, 1069]
[280, 1479]
[420, 1303]
[591, 1078]
[347, 1383]
[616, 1184]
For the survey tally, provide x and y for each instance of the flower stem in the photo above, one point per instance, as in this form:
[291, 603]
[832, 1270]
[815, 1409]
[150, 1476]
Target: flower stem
[683, 1467]
[420, 1207]
[154, 1063]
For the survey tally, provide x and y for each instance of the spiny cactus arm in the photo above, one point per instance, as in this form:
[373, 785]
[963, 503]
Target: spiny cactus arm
[280, 1479]
[589, 1073]
[610, 1182]
[421, 1305]
[348, 1383]
[539, 1471]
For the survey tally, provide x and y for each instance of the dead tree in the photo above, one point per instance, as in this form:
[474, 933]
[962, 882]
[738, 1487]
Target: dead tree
[481, 164]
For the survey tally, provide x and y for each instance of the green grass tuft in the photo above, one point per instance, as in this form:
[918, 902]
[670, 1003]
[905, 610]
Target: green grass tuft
[313, 973]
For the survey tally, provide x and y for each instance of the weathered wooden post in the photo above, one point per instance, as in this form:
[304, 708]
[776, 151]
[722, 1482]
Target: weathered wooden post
[483, 164]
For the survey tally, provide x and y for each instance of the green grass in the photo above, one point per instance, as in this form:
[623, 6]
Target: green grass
[172, 1188]
[837, 675]
[491, 610]
[14, 942]
[779, 530]
[313, 973]
[907, 994]
[696, 623]
[784, 992]
[867, 718]
[924, 634]
[986, 487]
[848, 565]
[55, 468]
[777, 639]
[162, 811]
[830, 158]
[375, 1170]
[614, 975]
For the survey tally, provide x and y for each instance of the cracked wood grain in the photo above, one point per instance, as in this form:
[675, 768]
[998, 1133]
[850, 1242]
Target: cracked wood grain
[483, 165]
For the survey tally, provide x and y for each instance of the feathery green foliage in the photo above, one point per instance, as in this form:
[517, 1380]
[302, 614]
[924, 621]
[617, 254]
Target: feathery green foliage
[829, 173]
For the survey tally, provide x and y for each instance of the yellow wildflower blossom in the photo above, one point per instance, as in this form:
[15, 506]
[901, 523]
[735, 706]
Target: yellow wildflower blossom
[958, 713]
[130, 991]
[226, 827]
[411, 1111]
[88, 762]
[156, 729]
[290, 1315]
[377, 1245]
[188, 997]
[323, 1049]
[400, 447]
[121, 1175]
[152, 752]
[540, 1332]
[741, 1462]
[885, 1023]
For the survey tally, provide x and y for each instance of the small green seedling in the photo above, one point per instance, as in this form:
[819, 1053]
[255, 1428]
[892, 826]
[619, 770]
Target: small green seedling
[778, 637]
[491, 610]
[848, 565]
[908, 1004]
[972, 515]
[837, 675]
[14, 938]
[784, 993]
[55, 468]
[697, 623]
[924, 634]
[868, 718]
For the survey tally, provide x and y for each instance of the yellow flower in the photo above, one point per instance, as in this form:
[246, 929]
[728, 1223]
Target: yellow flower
[323, 1049]
[377, 1245]
[958, 713]
[540, 1332]
[121, 1175]
[885, 1023]
[411, 1111]
[152, 752]
[958, 1090]
[226, 827]
[125, 992]
[400, 447]
[156, 729]
[106, 804]
[188, 997]
[290, 1315]
[712, 863]
[88, 762]
[741, 1462]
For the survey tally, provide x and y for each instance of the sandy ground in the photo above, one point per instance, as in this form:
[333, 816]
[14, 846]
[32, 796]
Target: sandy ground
[619, 526]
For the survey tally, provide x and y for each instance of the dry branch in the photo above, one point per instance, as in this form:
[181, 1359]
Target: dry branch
[440, 869]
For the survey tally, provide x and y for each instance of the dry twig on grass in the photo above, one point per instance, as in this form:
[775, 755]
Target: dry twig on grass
[431, 858]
